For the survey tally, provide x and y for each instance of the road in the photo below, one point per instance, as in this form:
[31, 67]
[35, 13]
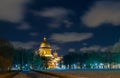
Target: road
[7, 74]
[63, 74]
[37, 74]
[32, 74]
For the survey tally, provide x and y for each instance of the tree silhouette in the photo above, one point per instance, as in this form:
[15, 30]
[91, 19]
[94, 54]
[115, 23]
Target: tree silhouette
[6, 54]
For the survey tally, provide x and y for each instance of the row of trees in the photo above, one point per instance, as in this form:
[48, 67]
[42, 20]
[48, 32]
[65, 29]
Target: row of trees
[29, 57]
[9, 57]
[91, 57]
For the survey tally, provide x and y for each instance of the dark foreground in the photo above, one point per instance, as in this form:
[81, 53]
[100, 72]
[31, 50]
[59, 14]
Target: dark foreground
[63, 74]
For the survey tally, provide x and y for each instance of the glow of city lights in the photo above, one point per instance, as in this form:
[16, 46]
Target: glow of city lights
[101, 64]
[16, 65]
[26, 64]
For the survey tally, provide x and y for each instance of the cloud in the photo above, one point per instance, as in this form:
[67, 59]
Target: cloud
[94, 48]
[24, 45]
[97, 48]
[53, 12]
[116, 47]
[85, 44]
[12, 10]
[110, 48]
[71, 50]
[24, 26]
[91, 48]
[57, 16]
[68, 23]
[113, 48]
[70, 37]
[55, 47]
[102, 12]
[33, 34]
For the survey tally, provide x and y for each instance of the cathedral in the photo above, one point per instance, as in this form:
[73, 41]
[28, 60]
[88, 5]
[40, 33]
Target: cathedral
[45, 51]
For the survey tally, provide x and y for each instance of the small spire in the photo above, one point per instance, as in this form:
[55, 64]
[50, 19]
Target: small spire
[44, 38]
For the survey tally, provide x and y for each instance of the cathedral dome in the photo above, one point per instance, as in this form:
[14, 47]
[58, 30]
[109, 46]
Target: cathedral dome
[45, 43]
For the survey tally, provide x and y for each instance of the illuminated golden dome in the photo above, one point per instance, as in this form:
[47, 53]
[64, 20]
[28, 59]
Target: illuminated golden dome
[45, 43]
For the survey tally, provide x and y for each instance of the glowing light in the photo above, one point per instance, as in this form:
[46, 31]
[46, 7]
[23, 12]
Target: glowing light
[26, 64]
[16, 65]
[95, 64]
[101, 64]
[74, 66]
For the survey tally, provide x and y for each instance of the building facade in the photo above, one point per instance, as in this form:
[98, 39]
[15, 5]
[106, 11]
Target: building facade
[51, 58]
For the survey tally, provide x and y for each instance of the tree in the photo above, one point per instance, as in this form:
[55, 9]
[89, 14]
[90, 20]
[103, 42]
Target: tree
[6, 54]
[71, 58]
[37, 62]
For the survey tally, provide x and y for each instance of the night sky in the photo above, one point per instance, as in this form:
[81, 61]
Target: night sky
[69, 25]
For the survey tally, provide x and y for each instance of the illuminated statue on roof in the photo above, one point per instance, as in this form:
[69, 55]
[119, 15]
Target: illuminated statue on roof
[45, 51]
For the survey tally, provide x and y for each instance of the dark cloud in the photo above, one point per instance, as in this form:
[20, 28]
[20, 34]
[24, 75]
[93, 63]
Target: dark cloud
[24, 26]
[103, 12]
[24, 45]
[57, 15]
[70, 37]
[12, 10]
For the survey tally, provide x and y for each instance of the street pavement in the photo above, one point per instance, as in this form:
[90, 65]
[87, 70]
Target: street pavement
[37, 74]
[7, 74]
[32, 74]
